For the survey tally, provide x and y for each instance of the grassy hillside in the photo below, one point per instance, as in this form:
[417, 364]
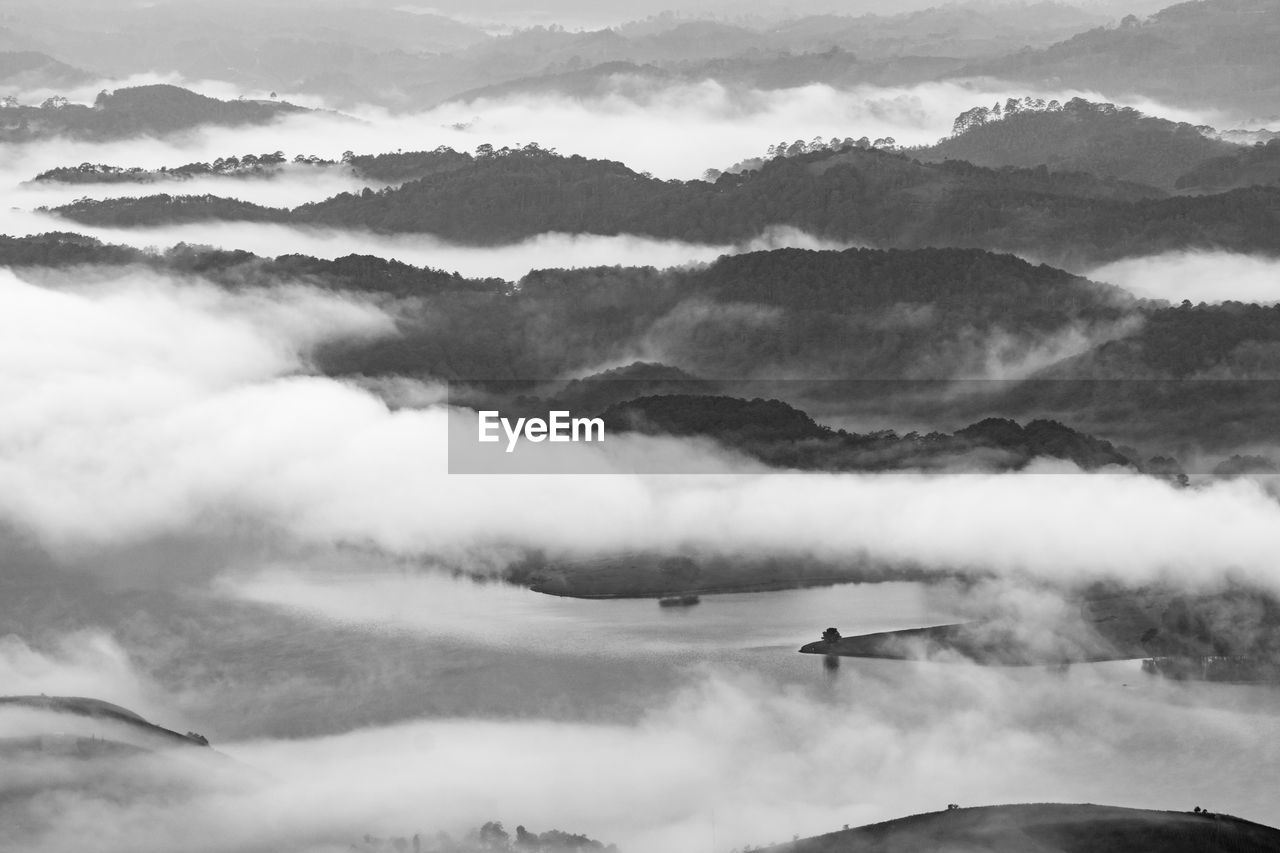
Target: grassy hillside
[1048, 828]
[97, 709]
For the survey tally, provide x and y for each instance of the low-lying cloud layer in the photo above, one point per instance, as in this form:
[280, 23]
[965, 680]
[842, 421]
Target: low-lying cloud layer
[86, 663]
[1211, 277]
[674, 129]
[730, 761]
[511, 261]
[138, 407]
[142, 409]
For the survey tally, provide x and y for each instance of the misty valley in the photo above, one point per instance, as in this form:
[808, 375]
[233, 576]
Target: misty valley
[620, 428]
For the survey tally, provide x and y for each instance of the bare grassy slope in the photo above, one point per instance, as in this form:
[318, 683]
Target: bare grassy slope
[1048, 828]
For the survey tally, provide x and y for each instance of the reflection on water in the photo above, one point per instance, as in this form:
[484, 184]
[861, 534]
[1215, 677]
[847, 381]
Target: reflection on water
[512, 617]
[425, 644]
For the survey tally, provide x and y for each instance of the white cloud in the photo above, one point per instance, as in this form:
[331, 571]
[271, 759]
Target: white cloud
[672, 129]
[733, 755]
[1211, 277]
[510, 261]
[149, 407]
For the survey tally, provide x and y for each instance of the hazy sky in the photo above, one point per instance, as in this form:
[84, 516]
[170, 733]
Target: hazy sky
[605, 12]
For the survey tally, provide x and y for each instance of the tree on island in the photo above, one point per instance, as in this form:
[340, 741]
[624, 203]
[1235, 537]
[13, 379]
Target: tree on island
[831, 635]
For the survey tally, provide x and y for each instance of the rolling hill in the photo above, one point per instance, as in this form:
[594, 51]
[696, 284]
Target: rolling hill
[122, 724]
[1048, 828]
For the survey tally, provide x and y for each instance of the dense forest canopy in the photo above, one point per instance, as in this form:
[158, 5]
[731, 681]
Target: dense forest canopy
[854, 194]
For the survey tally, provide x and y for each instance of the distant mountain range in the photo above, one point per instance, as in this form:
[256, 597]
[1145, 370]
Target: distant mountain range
[352, 53]
[29, 69]
[1212, 55]
[1209, 54]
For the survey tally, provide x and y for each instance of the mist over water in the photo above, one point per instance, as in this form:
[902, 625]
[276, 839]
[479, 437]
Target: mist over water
[721, 733]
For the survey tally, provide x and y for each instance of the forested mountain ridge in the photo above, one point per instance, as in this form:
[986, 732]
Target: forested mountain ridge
[391, 168]
[857, 313]
[1228, 341]
[1102, 139]
[819, 314]
[1255, 165]
[237, 268]
[857, 195]
[782, 436]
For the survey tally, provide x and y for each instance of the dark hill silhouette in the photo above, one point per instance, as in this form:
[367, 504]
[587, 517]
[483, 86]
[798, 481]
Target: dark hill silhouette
[1048, 828]
[860, 313]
